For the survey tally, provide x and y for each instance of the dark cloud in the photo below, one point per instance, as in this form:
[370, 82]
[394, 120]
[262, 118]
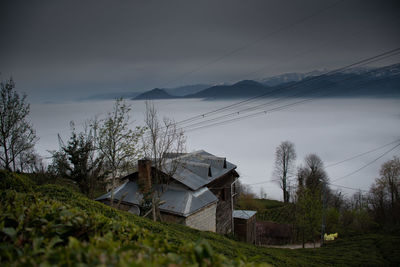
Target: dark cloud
[72, 48]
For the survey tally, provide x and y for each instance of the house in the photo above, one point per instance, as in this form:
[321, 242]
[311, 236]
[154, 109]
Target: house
[245, 225]
[197, 190]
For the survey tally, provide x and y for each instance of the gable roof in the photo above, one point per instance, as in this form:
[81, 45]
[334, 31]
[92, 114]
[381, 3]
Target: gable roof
[188, 193]
[243, 214]
[178, 199]
[198, 168]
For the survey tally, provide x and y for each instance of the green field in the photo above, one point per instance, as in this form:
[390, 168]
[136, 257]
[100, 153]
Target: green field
[51, 225]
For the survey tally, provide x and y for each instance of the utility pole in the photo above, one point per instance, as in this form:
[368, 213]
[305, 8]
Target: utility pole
[323, 212]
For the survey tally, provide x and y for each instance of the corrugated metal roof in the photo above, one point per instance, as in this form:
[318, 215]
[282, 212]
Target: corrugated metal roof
[244, 214]
[193, 169]
[178, 199]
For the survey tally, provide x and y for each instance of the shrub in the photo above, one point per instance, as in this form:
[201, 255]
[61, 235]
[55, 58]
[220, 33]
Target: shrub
[17, 182]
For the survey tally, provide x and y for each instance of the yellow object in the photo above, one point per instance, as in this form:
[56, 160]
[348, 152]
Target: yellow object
[330, 237]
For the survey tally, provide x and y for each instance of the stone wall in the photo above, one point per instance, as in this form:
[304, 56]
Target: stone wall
[204, 219]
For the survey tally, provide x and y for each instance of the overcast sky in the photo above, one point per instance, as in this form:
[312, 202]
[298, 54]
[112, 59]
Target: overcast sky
[71, 49]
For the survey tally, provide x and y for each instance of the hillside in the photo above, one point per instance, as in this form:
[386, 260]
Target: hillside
[186, 90]
[241, 89]
[156, 93]
[51, 225]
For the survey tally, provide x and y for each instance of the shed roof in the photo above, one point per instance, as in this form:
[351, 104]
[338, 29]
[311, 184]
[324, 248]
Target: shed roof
[244, 214]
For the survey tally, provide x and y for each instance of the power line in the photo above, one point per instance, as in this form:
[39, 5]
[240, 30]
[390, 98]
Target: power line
[366, 165]
[338, 163]
[347, 187]
[272, 102]
[379, 57]
[311, 79]
[263, 112]
[238, 49]
[360, 155]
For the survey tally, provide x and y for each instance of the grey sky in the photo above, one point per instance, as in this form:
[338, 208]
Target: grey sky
[70, 49]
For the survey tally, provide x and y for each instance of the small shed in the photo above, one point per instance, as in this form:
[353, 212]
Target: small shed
[245, 225]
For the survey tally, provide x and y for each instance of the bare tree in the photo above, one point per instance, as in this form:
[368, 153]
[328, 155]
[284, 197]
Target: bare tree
[390, 177]
[384, 197]
[285, 157]
[16, 133]
[117, 141]
[163, 138]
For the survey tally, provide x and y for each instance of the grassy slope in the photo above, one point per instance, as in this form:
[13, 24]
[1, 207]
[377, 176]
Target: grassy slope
[163, 241]
[269, 210]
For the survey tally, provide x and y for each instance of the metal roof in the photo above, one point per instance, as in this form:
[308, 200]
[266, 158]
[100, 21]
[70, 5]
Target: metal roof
[244, 214]
[178, 199]
[193, 169]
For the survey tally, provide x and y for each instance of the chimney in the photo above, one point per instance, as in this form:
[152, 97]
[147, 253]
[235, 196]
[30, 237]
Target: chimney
[224, 163]
[144, 173]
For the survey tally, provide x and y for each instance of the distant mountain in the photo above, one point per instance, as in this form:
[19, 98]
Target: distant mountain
[243, 88]
[107, 96]
[371, 82]
[288, 77]
[186, 90]
[156, 93]
[365, 81]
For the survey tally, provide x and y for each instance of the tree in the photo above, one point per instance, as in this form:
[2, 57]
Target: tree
[308, 214]
[162, 142]
[117, 141]
[285, 157]
[390, 177]
[384, 193]
[312, 174]
[16, 133]
[30, 162]
[80, 161]
[311, 177]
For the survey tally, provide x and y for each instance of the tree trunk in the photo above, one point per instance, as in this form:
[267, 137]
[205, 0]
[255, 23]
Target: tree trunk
[153, 208]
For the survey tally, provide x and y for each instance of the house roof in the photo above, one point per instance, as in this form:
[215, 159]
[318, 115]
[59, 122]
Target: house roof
[178, 199]
[244, 214]
[198, 168]
[193, 172]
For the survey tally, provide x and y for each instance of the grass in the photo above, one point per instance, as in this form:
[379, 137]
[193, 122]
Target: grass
[269, 209]
[51, 225]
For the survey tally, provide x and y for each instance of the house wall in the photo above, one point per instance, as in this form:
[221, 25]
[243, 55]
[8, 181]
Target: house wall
[204, 219]
[222, 189]
[168, 217]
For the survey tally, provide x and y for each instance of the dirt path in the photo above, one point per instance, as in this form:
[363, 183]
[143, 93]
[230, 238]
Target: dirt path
[296, 246]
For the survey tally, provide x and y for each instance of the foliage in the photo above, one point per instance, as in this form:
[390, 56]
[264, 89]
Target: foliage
[308, 214]
[79, 161]
[36, 231]
[13, 181]
[17, 136]
[56, 226]
[285, 157]
[384, 196]
[117, 142]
